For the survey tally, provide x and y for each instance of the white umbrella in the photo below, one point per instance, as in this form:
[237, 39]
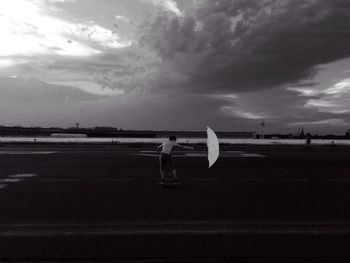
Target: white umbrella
[213, 146]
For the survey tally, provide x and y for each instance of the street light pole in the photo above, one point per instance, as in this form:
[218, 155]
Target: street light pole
[262, 125]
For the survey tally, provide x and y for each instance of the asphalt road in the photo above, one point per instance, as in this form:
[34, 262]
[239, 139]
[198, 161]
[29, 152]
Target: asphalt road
[95, 202]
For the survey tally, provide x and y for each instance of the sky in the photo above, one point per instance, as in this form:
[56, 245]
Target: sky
[176, 64]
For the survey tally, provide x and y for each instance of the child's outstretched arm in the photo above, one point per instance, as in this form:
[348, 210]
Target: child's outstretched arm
[185, 147]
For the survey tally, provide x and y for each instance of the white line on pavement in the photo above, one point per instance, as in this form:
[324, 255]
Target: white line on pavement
[151, 155]
[196, 154]
[183, 228]
[10, 180]
[23, 152]
[22, 175]
[252, 155]
[175, 222]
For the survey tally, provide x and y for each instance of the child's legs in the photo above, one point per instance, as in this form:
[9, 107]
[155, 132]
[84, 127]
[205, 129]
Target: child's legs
[161, 166]
[173, 172]
[162, 174]
[172, 169]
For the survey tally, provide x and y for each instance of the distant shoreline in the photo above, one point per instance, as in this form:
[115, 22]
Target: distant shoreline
[109, 141]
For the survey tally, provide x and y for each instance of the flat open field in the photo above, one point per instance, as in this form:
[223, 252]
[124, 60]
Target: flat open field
[102, 202]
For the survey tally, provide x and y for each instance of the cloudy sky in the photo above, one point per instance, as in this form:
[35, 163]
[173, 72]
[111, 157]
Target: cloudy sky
[176, 64]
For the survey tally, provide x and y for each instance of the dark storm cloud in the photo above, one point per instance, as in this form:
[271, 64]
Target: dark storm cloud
[248, 45]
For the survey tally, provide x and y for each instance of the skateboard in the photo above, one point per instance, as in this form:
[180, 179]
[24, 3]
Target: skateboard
[169, 183]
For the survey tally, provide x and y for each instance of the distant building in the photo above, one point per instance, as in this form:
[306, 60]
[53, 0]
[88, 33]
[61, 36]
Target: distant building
[68, 135]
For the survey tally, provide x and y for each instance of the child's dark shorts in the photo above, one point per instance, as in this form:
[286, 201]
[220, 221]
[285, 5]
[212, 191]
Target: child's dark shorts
[166, 162]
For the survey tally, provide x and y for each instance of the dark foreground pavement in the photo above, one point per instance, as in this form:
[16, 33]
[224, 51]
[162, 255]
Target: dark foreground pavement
[258, 203]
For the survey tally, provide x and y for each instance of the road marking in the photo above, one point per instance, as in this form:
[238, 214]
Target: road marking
[22, 175]
[222, 155]
[59, 180]
[157, 155]
[3, 186]
[202, 152]
[252, 155]
[78, 180]
[10, 180]
[196, 154]
[24, 152]
[178, 227]
[175, 222]
[115, 179]
[143, 154]
[249, 179]
[164, 231]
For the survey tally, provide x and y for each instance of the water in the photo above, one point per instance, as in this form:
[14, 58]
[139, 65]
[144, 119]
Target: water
[160, 140]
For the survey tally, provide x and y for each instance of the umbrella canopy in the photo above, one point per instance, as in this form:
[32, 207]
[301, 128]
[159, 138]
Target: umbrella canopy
[213, 146]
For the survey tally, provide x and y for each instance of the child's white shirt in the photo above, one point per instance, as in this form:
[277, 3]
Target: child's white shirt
[167, 146]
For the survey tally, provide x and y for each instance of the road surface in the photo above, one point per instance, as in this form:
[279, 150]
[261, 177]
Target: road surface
[102, 202]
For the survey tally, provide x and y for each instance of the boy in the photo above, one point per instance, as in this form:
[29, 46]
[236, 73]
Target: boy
[165, 158]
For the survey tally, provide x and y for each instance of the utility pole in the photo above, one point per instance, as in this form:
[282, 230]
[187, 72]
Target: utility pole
[262, 125]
